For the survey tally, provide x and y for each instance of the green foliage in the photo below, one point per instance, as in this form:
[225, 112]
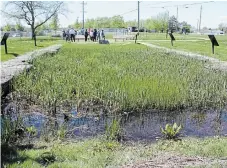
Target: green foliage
[47, 157]
[31, 132]
[173, 24]
[54, 23]
[11, 130]
[112, 76]
[113, 131]
[7, 27]
[61, 133]
[161, 21]
[117, 22]
[171, 132]
[19, 27]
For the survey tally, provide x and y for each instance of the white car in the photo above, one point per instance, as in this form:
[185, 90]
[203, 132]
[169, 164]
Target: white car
[16, 35]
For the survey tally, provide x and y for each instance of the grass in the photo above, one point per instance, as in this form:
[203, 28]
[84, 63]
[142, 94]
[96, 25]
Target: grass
[18, 46]
[121, 78]
[200, 46]
[97, 152]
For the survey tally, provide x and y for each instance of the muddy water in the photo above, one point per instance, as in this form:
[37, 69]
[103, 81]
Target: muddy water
[138, 126]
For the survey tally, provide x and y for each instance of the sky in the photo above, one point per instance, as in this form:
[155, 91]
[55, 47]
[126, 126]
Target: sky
[213, 13]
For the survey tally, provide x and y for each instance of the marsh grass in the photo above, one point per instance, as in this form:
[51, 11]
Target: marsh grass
[120, 78]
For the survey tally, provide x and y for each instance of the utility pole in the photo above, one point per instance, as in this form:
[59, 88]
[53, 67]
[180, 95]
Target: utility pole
[138, 16]
[200, 18]
[177, 12]
[83, 13]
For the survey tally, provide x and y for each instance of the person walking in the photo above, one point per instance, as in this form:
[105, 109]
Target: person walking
[72, 34]
[86, 35]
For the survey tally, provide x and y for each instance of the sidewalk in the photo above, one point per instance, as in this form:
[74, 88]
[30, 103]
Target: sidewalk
[15, 66]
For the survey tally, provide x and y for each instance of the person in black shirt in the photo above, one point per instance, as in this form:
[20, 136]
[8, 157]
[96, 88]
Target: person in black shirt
[86, 35]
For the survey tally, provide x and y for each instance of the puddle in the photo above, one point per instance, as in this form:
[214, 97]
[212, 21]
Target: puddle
[137, 126]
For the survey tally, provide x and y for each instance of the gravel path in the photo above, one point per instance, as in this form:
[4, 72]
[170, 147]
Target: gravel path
[15, 66]
[215, 63]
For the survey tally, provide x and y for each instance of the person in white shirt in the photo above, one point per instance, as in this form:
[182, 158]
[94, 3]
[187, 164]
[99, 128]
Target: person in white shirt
[91, 35]
[72, 34]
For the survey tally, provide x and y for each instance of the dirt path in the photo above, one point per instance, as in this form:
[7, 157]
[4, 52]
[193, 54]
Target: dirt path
[171, 160]
[215, 63]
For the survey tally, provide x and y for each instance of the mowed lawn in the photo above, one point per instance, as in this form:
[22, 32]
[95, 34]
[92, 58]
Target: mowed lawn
[18, 46]
[202, 45]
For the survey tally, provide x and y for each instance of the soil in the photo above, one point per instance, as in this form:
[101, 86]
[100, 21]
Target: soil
[171, 160]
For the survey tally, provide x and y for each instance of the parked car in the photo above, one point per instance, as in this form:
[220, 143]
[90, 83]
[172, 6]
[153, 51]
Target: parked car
[16, 35]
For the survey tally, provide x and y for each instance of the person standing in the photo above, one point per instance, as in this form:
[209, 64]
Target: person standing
[95, 35]
[102, 35]
[86, 35]
[72, 34]
[98, 35]
[91, 35]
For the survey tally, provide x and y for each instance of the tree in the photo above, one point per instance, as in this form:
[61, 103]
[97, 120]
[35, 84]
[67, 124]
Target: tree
[19, 26]
[161, 21]
[173, 24]
[77, 25]
[54, 24]
[223, 27]
[34, 13]
[7, 27]
[117, 21]
[149, 24]
[131, 23]
[185, 27]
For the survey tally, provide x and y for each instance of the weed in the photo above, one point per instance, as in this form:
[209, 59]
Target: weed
[171, 131]
[114, 131]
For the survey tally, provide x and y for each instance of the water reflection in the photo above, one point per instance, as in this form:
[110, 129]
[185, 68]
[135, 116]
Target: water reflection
[137, 126]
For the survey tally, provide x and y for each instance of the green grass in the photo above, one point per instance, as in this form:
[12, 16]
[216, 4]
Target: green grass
[18, 46]
[117, 78]
[201, 46]
[97, 152]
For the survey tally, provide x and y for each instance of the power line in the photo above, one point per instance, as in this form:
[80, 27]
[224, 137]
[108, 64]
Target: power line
[158, 3]
[182, 5]
[128, 12]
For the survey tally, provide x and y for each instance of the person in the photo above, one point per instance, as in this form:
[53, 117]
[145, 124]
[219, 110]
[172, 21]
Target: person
[91, 35]
[102, 35]
[63, 34]
[72, 34]
[95, 35]
[67, 36]
[98, 35]
[86, 35]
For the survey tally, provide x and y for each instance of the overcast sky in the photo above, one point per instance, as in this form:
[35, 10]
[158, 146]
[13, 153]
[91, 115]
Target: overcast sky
[213, 13]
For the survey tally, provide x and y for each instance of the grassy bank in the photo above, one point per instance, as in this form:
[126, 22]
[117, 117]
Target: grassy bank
[117, 78]
[101, 153]
[18, 46]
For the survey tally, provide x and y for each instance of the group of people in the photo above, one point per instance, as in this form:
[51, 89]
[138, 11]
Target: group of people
[70, 34]
[93, 35]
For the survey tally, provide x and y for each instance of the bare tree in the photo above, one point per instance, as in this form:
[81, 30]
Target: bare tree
[34, 13]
